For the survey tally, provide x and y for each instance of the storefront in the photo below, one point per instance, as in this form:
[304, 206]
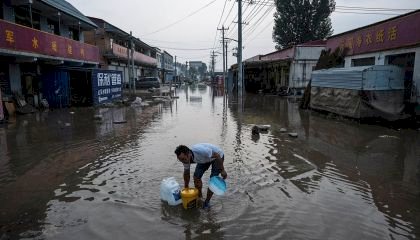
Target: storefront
[395, 41]
[40, 70]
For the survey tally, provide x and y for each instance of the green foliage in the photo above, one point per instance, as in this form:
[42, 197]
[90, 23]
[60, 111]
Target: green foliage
[299, 21]
[330, 59]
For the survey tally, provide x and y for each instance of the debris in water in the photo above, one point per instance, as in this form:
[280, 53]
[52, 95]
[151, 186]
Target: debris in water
[293, 134]
[98, 117]
[120, 122]
[263, 128]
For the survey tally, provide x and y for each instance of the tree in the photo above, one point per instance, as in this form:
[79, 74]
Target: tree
[299, 21]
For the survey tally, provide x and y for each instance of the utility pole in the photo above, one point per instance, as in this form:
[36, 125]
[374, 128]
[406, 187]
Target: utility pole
[175, 68]
[186, 69]
[132, 63]
[213, 55]
[240, 77]
[224, 52]
[173, 79]
[130, 43]
[226, 62]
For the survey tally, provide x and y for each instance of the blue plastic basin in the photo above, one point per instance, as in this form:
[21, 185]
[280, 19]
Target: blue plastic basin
[217, 185]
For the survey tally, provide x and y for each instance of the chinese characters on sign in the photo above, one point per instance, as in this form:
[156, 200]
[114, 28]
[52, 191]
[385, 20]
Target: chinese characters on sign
[379, 36]
[10, 36]
[22, 39]
[107, 85]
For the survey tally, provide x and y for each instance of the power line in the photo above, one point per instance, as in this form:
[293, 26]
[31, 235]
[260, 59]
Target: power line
[233, 5]
[187, 49]
[177, 42]
[375, 9]
[189, 15]
[262, 30]
[260, 20]
[221, 16]
[342, 7]
[254, 12]
[369, 13]
[233, 21]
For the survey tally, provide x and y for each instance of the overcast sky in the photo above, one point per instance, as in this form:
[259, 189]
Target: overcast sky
[188, 28]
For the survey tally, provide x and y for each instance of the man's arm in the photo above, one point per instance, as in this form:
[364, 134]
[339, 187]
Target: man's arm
[186, 178]
[219, 164]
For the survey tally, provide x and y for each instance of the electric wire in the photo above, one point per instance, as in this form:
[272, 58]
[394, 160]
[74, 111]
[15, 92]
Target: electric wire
[259, 21]
[221, 16]
[182, 19]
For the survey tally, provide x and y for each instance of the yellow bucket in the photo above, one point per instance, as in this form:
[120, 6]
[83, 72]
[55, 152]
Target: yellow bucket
[189, 197]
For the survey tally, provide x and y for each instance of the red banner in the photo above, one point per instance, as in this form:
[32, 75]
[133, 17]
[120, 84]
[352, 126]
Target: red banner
[396, 33]
[23, 39]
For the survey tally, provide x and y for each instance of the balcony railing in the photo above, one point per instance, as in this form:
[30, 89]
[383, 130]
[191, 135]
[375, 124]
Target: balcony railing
[23, 39]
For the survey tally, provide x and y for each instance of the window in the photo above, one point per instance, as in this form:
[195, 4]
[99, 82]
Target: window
[53, 27]
[74, 34]
[363, 62]
[1, 10]
[23, 17]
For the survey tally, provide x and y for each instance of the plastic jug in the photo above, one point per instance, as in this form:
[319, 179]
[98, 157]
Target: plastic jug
[170, 191]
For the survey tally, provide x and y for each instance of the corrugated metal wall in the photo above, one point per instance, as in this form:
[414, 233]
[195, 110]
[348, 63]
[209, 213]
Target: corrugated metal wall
[376, 77]
[55, 88]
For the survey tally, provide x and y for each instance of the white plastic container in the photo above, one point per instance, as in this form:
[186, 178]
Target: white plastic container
[170, 191]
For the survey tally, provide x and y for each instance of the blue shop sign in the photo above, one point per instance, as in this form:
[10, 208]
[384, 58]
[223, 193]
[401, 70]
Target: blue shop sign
[106, 85]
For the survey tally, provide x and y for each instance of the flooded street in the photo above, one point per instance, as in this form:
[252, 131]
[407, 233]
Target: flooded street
[64, 175]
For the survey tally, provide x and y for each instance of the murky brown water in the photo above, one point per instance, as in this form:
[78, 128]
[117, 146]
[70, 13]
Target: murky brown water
[67, 176]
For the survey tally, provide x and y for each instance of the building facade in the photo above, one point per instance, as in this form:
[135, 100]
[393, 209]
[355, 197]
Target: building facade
[43, 57]
[167, 67]
[395, 41]
[287, 71]
[200, 69]
[115, 54]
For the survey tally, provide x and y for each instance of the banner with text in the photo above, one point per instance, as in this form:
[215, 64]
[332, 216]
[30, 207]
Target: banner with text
[106, 86]
[23, 39]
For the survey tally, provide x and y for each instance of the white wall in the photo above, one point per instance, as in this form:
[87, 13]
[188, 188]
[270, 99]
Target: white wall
[304, 60]
[308, 53]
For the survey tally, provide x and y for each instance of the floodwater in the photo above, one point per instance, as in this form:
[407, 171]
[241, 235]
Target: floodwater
[64, 175]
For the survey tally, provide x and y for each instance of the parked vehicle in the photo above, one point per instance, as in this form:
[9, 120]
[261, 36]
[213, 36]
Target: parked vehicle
[148, 82]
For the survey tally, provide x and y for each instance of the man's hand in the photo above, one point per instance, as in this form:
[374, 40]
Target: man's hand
[224, 174]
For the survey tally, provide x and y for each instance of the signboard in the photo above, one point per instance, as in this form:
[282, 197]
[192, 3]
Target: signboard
[395, 33]
[23, 39]
[106, 86]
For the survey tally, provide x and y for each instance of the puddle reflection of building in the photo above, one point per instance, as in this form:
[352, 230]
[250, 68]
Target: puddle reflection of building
[386, 160]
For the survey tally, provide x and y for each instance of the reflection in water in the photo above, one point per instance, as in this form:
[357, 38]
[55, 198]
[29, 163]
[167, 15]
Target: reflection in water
[67, 176]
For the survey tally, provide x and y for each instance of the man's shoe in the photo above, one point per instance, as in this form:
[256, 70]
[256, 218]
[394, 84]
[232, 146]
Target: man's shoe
[206, 205]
